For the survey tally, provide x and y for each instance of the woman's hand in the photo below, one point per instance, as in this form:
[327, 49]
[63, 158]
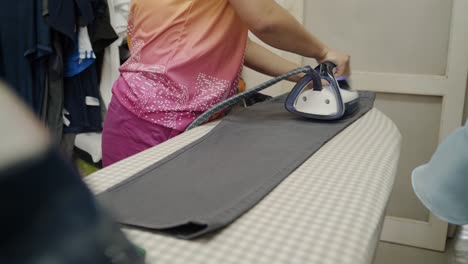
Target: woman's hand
[340, 59]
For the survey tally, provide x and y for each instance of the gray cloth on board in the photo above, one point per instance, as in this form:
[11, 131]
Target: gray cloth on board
[208, 184]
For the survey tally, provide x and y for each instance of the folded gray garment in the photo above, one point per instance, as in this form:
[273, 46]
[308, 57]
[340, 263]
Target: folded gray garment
[211, 182]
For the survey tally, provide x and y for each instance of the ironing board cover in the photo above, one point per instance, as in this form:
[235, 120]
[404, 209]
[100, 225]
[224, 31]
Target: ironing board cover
[327, 211]
[207, 185]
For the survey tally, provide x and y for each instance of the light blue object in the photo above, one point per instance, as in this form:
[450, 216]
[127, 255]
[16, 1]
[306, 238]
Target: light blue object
[442, 184]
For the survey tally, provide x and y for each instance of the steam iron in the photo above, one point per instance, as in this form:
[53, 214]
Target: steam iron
[307, 99]
[310, 99]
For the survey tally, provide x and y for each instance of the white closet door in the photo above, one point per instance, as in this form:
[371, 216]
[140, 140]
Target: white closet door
[414, 54]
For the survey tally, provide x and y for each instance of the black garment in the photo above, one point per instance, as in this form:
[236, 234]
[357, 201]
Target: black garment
[50, 216]
[83, 117]
[45, 98]
[67, 145]
[101, 32]
[61, 17]
[66, 16]
[85, 12]
[24, 47]
[211, 182]
[55, 93]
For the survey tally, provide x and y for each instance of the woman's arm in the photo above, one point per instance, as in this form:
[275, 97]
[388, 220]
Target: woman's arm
[260, 59]
[276, 27]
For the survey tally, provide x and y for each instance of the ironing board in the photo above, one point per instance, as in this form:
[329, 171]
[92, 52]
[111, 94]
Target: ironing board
[330, 210]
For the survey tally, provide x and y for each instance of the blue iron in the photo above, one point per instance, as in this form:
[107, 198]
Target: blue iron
[308, 98]
[312, 100]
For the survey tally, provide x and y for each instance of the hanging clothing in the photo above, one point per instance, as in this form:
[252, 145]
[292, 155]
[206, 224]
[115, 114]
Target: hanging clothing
[25, 43]
[111, 58]
[85, 50]
[72, 55]
[82, 104]
[186, 57]
[102, 35]
[55, 93]
[67, 16]
[101, 32]
[82, 55]
[91, 143]
[121, 10]
[82, 107]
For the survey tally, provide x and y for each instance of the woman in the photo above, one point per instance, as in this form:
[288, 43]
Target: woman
[187, 56]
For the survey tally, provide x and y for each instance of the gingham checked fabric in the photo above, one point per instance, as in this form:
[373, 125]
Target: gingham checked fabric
[330, 210]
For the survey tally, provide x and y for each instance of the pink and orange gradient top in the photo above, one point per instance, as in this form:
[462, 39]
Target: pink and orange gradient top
[186, 56]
